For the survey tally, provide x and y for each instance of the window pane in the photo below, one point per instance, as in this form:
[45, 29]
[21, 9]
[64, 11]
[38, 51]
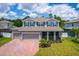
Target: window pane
[26, 23]
[55, 23]
[32, 23]
[40, 23]
[49, 23]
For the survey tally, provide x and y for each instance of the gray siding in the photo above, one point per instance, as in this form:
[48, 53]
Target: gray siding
[71, 25]
[5, 25]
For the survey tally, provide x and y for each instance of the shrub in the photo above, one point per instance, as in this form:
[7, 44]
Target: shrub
[58, 41]
[50, 41]
[44, 43]
[1, 36]
[75, 40]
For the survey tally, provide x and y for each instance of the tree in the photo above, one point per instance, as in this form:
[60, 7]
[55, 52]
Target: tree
[2, 18]
[26, 17]
[61, 22]
[76, 32]
[17, 23]
[50, 15]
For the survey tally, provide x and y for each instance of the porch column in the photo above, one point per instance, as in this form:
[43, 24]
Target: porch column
[47, 35]
[45, 24]
[60, 35]
[40, 35]
[23, 23]
[54, 36]
[35, 24]
[21, 35]
[12, 35]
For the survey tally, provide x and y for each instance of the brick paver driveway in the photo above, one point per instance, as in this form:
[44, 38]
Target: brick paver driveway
[20, 48]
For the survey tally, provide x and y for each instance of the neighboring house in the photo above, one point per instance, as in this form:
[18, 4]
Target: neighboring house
[38, 28]
[5, 28]
[69, 25]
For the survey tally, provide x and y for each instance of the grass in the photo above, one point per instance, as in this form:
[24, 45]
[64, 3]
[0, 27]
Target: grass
[66, 48]
[4, 40]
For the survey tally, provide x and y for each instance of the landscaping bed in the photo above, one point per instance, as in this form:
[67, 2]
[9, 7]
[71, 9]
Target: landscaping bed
[66, 48]
[76, 40]
[4, 40]
[47, 43]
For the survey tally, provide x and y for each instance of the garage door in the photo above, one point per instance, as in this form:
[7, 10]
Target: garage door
[17, 35]
[30, 36]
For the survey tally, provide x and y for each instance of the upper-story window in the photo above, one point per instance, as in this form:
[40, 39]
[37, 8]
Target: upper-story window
[52, 23]
[29, 23]
[40, 23]
[49, 24]
[68, 25]
[55, 23]
[26, 23]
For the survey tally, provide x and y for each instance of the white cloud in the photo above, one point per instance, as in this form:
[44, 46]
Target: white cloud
[4, 7]
[33, 15]
[41, 8]
[34, 9]
[64, 11]
[24, 14]
[12, 13]
[19, 6]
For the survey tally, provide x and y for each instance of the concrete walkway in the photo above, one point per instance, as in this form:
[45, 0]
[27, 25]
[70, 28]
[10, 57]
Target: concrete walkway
[20, 48]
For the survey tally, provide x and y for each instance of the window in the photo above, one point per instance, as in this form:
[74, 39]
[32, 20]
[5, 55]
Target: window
[29, 23]
[55, 23]
[32, 23]
[49, 24]
[26, 23]
[40, 23]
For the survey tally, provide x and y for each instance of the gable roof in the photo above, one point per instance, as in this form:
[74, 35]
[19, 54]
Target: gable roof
[40, 19]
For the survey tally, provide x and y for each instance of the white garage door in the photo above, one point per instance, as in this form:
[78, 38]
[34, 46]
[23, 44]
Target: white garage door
[31, 36]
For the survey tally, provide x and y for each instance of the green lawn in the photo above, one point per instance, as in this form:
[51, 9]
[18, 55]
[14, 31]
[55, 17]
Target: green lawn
[66, 48]
[4, 40]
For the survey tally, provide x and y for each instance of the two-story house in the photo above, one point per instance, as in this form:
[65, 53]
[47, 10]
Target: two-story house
[69, 25]
[5, 28]
[38, 28]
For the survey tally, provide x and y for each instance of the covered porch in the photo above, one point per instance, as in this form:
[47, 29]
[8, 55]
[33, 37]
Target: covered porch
[50, 35]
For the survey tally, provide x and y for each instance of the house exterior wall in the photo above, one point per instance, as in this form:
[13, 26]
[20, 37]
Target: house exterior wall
[44, 24]
[37, 24]
[25, 35]
[76, 24]
[71, 25]
[5, 28]
[5, 25]
[34, 35]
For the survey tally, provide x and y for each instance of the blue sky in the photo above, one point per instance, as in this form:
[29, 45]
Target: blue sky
[67, 11]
